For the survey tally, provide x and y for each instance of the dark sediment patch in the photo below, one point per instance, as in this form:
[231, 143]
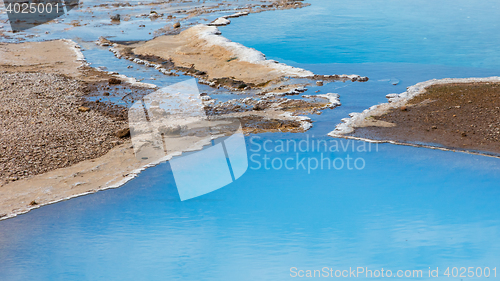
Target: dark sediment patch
[112, 100]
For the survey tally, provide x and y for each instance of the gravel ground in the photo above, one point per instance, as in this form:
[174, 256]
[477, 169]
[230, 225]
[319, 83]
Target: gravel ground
[43, 126]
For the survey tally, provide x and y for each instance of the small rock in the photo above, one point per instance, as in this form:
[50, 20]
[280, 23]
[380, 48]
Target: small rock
[220, 22]
[170, 130]
[404, 108]
[123, 133]
[434, 127]
[258, 107]
[115, 17]
[114, 81]
[177, 25]
[319, 83]
[115, 143]
[394, 81]
[33, 203]
[83, 109]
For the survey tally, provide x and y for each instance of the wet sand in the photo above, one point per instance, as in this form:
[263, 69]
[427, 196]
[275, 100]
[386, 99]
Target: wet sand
[448, 114]
[54, 144]
[201, 48]
[58, 57]
[201, 51]
[109, 171]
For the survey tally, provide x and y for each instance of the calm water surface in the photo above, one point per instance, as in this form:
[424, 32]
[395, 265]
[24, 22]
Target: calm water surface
[407, 208]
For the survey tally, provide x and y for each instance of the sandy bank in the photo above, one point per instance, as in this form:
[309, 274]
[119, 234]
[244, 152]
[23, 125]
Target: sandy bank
[44, 125]
[48, 131]
[202, 48]
[201, 51]
[111, 170]
[88, 153]
[58, 57]
[449, 114]
[53, 148]
[57, 145]
[62, 57]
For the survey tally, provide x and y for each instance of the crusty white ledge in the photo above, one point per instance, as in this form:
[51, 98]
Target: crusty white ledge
[395, 101]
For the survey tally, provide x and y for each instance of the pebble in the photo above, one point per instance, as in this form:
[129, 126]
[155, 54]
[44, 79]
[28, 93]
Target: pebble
[115, 17]
[83, 109]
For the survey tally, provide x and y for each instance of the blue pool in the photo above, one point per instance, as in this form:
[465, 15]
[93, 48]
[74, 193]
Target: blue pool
[391, 207]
